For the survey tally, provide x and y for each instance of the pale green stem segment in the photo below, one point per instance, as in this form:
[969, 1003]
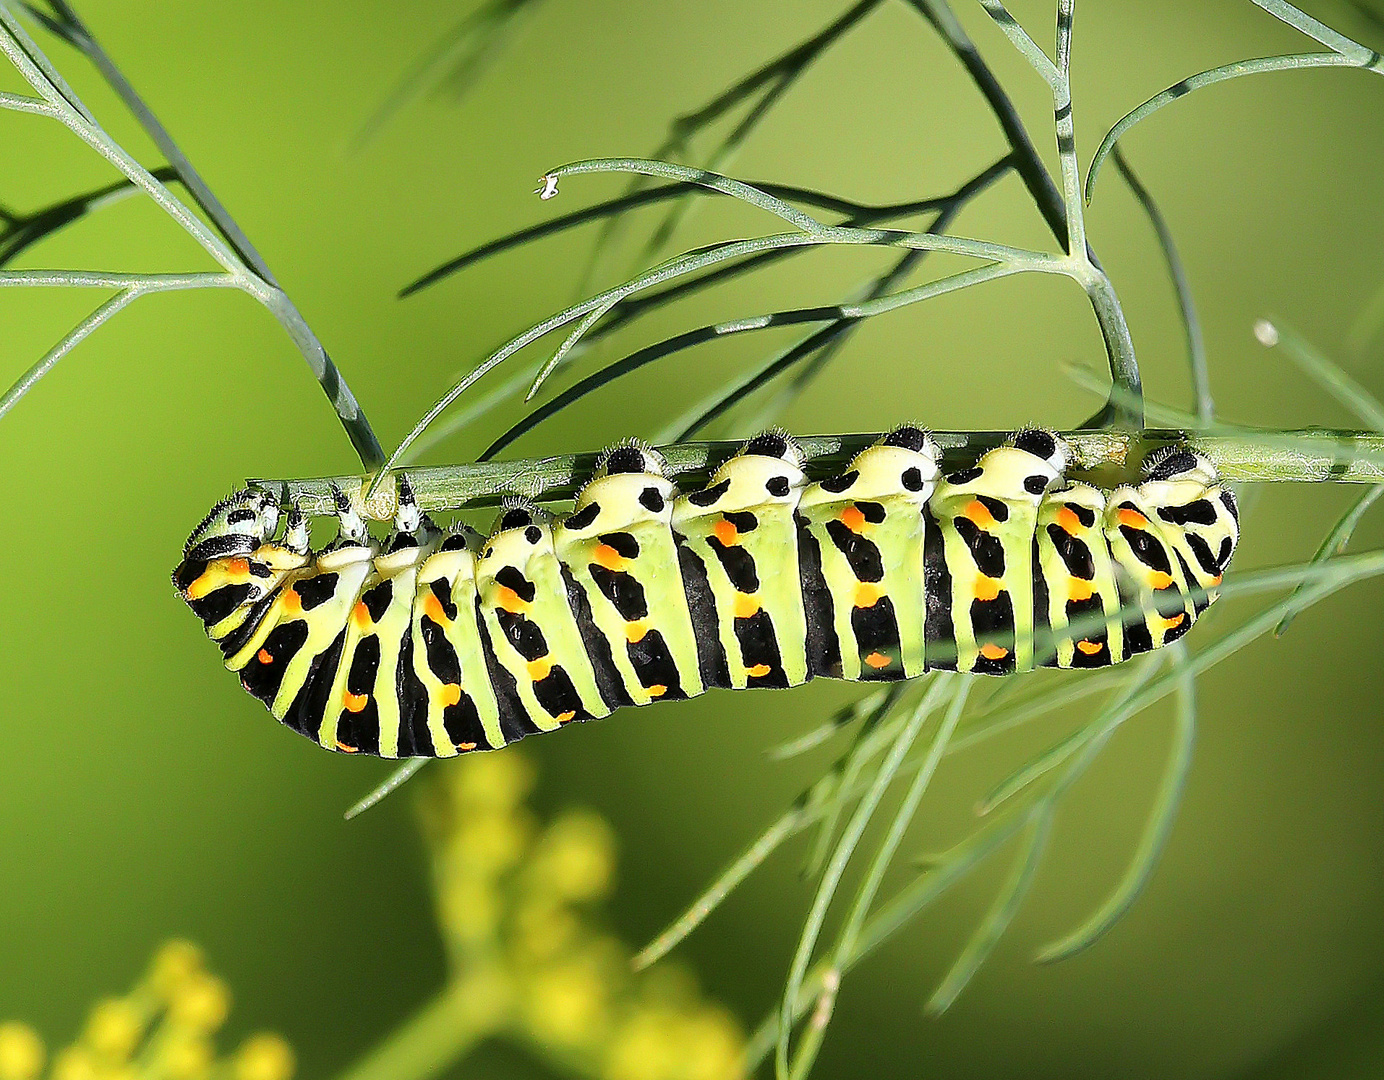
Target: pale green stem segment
[1308, 455]
[1124, 407]
[438, 1034]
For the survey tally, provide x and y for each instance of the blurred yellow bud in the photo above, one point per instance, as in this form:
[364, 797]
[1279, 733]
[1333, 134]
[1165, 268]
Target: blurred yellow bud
[498, 780]
[713, 1046]
[576, 857]
[660, 1043]
[200, 1004]
[21, 1052]
[74, 1063]
[176, 963]
[490, 843]
[644, 1048]
[264, 1057]
[187, 1058]
[566, 1005]
[469, 910]
[114, 1029]
[542, 930]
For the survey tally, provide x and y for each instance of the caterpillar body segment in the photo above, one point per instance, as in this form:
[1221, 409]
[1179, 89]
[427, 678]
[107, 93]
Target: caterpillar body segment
[435, 642]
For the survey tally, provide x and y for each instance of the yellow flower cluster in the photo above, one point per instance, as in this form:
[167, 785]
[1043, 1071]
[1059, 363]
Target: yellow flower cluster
[514, 901]
[161, 1030]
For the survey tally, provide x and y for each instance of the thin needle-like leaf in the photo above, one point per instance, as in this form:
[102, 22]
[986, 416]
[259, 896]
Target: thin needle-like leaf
[856, 213]
[847, 714]
[836, 867]
[391, 783]
[1289, 62]
[1323, 371]
[22, 232]
[1191, 324]
[1335, 543]
[647, 355]
[588, 321]
[987, 935]
[849, 935]
[1156, 831]
[875, 733]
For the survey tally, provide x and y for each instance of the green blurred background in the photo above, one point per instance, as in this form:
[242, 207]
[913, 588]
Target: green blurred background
[142, 794]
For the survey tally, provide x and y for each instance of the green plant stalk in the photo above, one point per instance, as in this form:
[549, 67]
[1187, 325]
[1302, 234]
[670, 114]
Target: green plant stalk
[1309, 455]
[434, 1037]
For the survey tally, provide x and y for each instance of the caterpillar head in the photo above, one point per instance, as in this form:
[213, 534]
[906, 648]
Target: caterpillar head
[630, 456]
[237, 525]
[1183, 490]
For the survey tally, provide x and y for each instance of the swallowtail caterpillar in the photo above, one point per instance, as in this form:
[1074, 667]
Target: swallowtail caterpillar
[438, 641]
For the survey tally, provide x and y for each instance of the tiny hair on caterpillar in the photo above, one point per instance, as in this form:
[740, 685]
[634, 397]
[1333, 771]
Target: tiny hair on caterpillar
[438, 641]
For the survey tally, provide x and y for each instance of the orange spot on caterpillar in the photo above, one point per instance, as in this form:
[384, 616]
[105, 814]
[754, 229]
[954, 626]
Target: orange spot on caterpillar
[877, 660]
[346, 749]
[636, 631]
[264, 656]
[991, 651]
[746, 606]
[867, 594]
[1175, 620]
[360, 615]
[979, 514]
[1078, 589]
[1090, 648]
[291, 602]
[987, 588]
[540, 669]
[657, 690]
[725, 532]
[1068, 521]
[853, 519]
[432, 608]
[1159, 579]
[1216, 580]
[562, 718]
[758, 671]
[1132, 518]
[354, 702]
[465, 746]
[606, 556]
[237, 567]
[449, 695]
[510, 600]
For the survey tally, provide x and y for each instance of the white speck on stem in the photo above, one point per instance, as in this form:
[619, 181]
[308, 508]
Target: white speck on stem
[1266, 333]
[547, 187]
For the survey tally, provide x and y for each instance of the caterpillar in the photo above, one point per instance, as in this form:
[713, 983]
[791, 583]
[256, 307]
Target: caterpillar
[437, 641]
